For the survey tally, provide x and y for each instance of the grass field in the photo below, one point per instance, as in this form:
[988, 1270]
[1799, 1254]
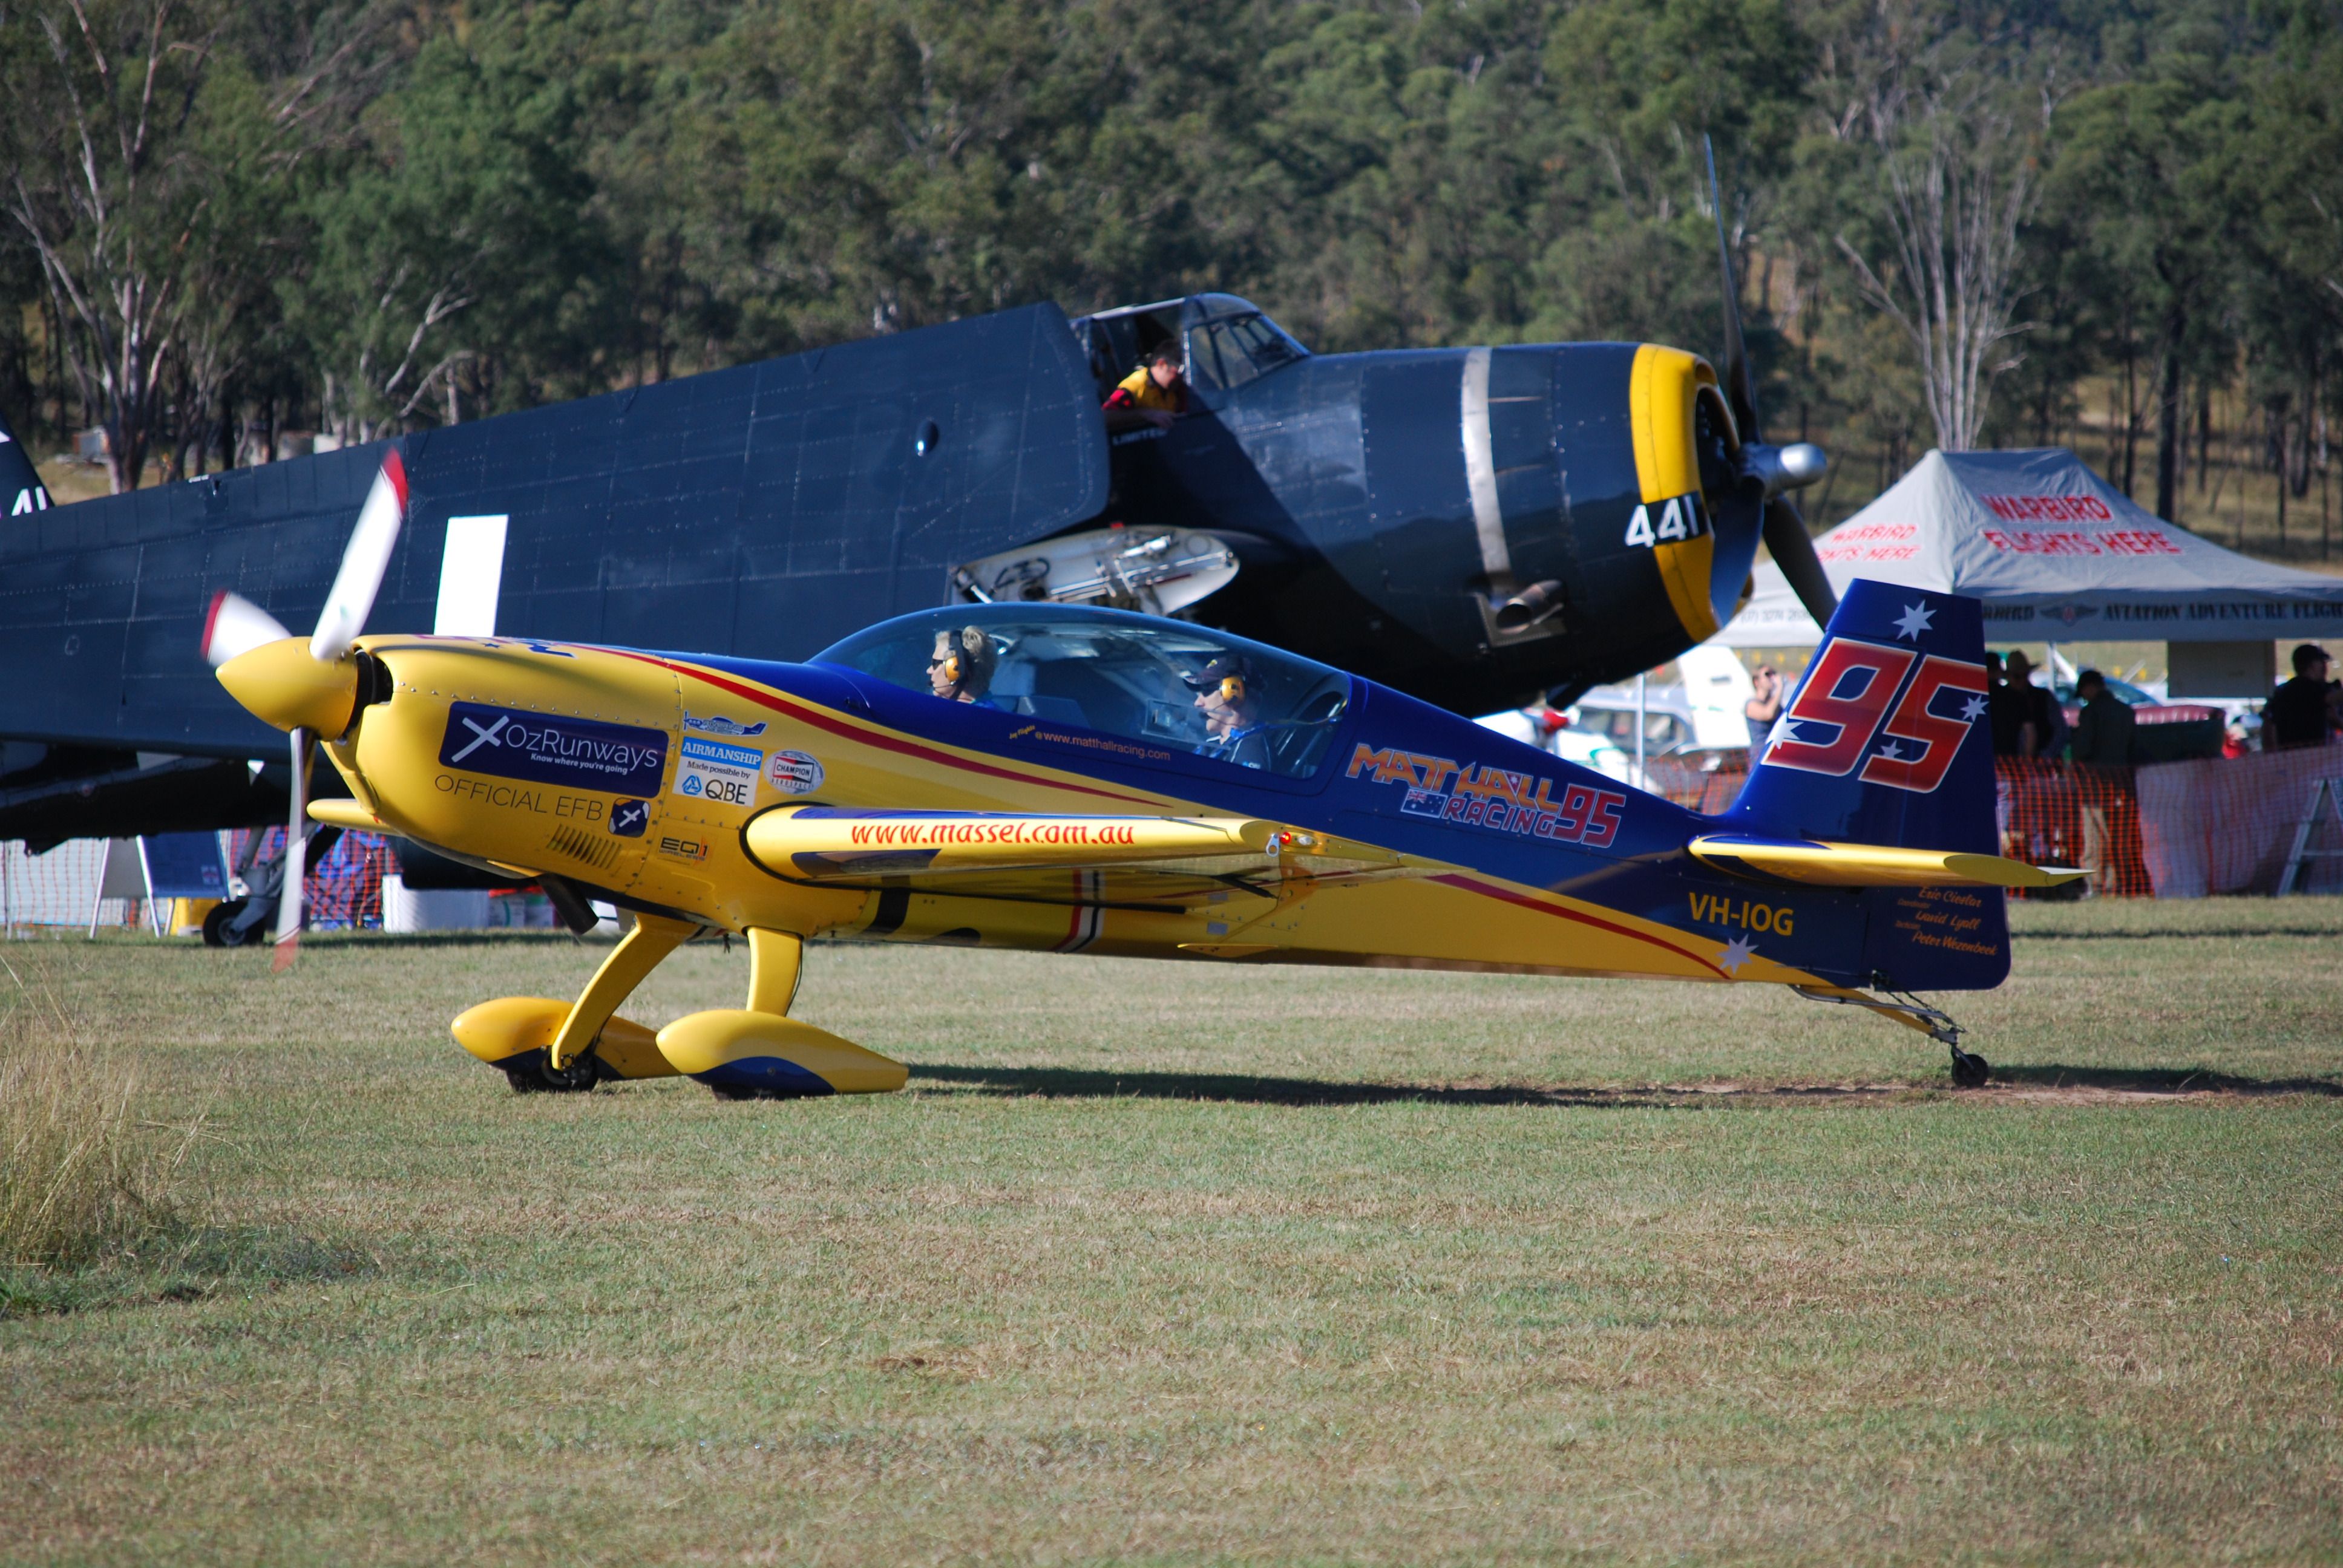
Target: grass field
[1171, 1263]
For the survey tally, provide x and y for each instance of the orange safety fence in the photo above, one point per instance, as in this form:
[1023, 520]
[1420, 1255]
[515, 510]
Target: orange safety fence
[1705, 790]
[2228, 826]
[2075, 814]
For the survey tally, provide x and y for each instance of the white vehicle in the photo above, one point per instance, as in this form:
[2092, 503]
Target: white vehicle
[1698, 721]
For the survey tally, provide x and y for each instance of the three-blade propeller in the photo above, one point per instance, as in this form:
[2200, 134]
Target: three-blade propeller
[1768, 472]
[237, 626]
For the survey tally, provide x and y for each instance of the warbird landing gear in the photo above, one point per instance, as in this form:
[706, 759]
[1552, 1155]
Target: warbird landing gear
[1970, 1071]
[741, 1053]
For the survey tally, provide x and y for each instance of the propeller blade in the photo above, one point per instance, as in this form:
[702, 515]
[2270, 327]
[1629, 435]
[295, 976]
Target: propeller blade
[364, 562]
[237, 626]
[1740, 392]
[1793, 550]
[296, 854]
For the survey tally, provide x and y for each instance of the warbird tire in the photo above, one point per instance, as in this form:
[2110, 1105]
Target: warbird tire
[217, 930]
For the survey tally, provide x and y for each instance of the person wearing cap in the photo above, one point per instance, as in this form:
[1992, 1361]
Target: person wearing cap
[1154, 393]
[2041, 724]
[960, 670]
[1233, 730]
[2302, 711]
[2103, 736]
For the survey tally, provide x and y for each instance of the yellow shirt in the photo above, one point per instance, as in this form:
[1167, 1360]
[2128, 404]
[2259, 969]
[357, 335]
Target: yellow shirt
[1142, 392]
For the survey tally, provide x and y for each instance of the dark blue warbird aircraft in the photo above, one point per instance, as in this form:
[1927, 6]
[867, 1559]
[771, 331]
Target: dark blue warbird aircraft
[1475, 527]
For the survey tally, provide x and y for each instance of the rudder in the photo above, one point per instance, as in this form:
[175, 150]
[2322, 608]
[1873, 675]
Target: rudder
[1887, 742]
[1885, 739]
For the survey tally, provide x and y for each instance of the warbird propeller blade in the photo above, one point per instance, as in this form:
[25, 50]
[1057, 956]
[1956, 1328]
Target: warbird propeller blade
[309, 691]
[1769, 471]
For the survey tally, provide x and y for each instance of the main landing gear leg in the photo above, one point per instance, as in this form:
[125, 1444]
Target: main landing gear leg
[759, 1051]
[543, 1045]
[1970, 1071]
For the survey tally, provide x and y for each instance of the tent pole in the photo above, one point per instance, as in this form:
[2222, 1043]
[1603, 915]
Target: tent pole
[1641, 783]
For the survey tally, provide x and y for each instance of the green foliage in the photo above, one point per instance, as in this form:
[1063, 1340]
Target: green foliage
[390, 216]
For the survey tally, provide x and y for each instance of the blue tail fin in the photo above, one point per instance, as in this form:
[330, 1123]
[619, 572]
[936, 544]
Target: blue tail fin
[20, 484]
[1885, 740]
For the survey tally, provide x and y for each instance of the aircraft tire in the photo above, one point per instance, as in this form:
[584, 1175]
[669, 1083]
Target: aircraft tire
[1970, 1071]
[534, 1078]
[216, 931]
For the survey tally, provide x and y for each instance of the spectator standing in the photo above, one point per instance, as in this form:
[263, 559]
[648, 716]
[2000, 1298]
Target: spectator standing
[2040, 730]
[2302, 711]
[2103, 739]
[1765, 705]
[2005, 710]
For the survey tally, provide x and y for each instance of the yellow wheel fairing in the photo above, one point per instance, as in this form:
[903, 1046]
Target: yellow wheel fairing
[1664, 389]
[513, 1027]
[761, 1053]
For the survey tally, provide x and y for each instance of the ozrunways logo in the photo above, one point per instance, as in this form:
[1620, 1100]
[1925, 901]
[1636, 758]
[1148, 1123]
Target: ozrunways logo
[583, 753]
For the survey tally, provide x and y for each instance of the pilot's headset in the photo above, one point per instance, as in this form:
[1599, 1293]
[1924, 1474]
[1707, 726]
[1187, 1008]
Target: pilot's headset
[1227, 674]
[966, 657]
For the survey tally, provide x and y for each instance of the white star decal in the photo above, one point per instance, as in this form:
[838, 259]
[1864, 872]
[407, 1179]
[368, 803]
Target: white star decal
[1913, 620]
[1973, 709]
[1892, 751]
[1737, 952]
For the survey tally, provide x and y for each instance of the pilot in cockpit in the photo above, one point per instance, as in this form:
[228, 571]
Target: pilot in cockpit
[1154, 393]
[1232, 729]
[960, 671]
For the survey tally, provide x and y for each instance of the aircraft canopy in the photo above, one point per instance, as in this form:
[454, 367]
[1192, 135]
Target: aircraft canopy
[2056, 554]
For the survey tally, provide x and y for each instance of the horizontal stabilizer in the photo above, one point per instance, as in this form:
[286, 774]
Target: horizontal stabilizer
[1827, 865]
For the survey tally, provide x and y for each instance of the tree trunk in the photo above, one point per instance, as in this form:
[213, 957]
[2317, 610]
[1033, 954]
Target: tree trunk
[2167, 429]
[2131, 421]
[2204, 430]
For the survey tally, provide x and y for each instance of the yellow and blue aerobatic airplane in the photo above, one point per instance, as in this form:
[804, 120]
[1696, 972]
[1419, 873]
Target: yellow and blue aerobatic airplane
[1069, 780]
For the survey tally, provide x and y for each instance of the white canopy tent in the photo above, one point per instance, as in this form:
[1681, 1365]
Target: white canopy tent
[2056, 554]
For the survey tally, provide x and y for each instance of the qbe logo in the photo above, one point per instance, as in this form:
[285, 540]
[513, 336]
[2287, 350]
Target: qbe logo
[722, 774]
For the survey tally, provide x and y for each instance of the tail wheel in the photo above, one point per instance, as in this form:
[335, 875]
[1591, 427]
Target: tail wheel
[217, 930]
[1970, 1071]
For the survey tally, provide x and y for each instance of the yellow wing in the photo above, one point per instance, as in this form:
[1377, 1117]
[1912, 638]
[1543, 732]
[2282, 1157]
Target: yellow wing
[1053, 859]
